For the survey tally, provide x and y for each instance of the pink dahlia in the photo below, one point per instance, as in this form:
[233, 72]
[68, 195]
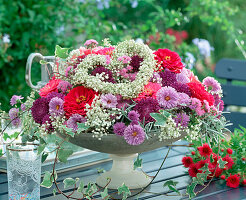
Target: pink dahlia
[149, 90]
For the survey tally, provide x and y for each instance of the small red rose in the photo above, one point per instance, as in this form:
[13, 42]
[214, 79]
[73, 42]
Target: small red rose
[193, 153]
[243, 159]
[222, 150]
[229, 151]
[222, 177]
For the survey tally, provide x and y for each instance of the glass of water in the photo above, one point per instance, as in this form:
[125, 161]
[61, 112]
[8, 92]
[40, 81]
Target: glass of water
[24, 171]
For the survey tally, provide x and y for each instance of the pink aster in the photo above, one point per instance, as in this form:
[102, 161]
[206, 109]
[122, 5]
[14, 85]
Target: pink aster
[211, 84]
[56, 106]
[134, 135]
[15, 99]
[150, 90]
[167, 97]
[184, 99]
[119, 128]
[109, 101]
[73, 121]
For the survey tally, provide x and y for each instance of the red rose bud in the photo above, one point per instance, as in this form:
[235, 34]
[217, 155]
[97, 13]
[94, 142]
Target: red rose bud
[222, 177]
[229, 151]
[243, 159]
[193, 153]
[222, 150]
[244, 182]
[222, 140]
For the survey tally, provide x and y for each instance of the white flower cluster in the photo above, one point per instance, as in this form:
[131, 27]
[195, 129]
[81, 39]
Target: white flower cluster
[170, 130]
[193, 132]
[127, 89]
[98, 118]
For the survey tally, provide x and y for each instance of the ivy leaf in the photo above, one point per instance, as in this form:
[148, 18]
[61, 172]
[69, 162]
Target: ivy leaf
[171, 185]
[124, 190]
[47, 180]
[68, 182]
[138, 163]
[205, 167]
[190, 189]
[41, 147]
[63, 154]
[201, 178]
[104, 194]
[6, 136]
[159, 118]
[69, 131]
[165, 113]
[1, 152]
[100, 170]
[91, 188]
[54, 192]
[81, 187]
[82, 127]
[44, 157]
[61, 52]
[221, 163]
[211, 158]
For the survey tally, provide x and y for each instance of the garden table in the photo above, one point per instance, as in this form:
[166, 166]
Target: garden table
[172, 169]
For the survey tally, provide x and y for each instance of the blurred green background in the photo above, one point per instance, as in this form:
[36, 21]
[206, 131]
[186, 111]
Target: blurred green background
[28, 26]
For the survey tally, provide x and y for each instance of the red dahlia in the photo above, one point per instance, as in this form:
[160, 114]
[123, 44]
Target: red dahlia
[198, 91]
[168, 59]
[233, 181]
[193, 170]
[76, 100]
[229, 161]
[204, 150]
[187, 161]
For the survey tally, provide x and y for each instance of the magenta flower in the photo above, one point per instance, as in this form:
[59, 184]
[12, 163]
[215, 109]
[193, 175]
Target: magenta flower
[134, 135]
[91, 43]
[54, 94]
[184, 99]
[109, 101]
[64, 86]
[167, 97]
[73, 121]
[133, 115]
[56, 106]
[14, 99]
[211, 84]
[39, 109]
[182, 119]
[119, 128]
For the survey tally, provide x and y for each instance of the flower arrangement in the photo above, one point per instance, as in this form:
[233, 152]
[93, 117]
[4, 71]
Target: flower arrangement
[128, 90]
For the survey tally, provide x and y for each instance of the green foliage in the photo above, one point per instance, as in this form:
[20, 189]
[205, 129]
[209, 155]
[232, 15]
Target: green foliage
[171, 185]
[47, 180]
[124, 190]
[61, 52]
[68, 182]
[105, 194]
[138, 163]
[63, 154]
[160, 118]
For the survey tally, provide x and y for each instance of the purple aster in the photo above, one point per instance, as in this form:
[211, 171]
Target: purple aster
[182, 119]
[73, 121]
[195, 104]
[146, 106]
[167, 97]
[54, 94]
[167, 77]
[91, 43]
[109, 100]
[122, 102]
[133, 115]
[100, 69]
[134, 122]
[23, 107]
[134, 135]
[64, 86]
[180, 87]
[183, 77]
[119, 128]
[56, 106]
[135, 63]
[14, 116]
[39, 109]
[184, 99]
[14, 99]
[212, 84]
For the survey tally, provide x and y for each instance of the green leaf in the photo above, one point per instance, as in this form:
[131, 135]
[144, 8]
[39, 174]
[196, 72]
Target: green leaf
[100, 170]
[61, 52]
[138, 163]
[1, 152]
[201, 178]
[91, 188]
[221, 163]
[211, 158]
[82, 127]
[171, 185]
[104, 194]
[47, 180]
[69, 131]
[63, 154]
[124, 190]
[6, 136]
[81, 187]
[205, 167]
[159, 118]
[68, 182]
[165, 113]
[54, 192]
[190, 189]
[44, 157]
[41, 148]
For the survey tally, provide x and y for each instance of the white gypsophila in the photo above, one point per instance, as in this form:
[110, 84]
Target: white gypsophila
[170, 130]
[193, 132]
[127, 89]
[57, 122]
[98, 118]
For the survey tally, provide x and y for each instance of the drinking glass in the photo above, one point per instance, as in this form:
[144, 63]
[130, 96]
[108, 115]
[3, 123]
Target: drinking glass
[24, 171]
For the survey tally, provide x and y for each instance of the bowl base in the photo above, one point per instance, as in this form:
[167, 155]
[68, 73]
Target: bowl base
[122, 172]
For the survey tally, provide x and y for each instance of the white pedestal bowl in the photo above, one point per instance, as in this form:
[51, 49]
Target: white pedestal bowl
[123, 156]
